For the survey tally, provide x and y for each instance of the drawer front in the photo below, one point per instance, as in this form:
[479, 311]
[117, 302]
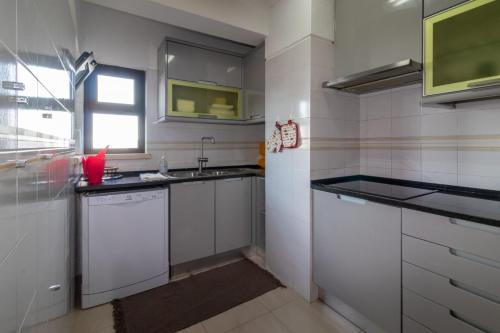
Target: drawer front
[450, 294]
[411, 326]
[436, 317]
[475, 238]
[452, 264]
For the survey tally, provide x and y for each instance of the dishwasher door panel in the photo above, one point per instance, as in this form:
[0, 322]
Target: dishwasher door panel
[126, 244]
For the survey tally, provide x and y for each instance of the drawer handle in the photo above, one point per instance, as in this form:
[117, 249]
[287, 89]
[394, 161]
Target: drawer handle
[351, 199]
[474, 291]
[476, 226]
[472, 257]
[232, 180]
[457, 317]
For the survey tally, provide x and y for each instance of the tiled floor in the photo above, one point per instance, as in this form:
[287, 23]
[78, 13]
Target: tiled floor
[278, 311]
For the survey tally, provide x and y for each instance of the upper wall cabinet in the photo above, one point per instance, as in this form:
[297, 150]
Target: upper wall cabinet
[433, 6]
[199, 84]
[374, 33]
[196, 64]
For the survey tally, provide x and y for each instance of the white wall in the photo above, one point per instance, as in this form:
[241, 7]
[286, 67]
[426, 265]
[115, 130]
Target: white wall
[294, 20]
[294, 54]
[243, 21]
[400, 138]
[130, 41]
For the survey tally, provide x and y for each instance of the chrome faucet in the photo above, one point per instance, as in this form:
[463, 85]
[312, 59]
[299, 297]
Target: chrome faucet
[202, 160]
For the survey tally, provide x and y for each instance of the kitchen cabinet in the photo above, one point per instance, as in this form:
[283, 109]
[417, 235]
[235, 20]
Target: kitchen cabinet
[192, 224]
[233, 213]
[259, 214]
[450, 273]
[373, 33]
[209, 217]
[434, 6]
[255, 83]
[196, 64]
[357, 258]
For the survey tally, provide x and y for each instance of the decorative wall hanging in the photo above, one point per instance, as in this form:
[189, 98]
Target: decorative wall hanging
[274, 143]
[284, 136]
[290, 134]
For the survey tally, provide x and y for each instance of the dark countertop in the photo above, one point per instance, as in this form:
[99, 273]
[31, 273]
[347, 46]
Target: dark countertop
[477, 205]
[131, 180]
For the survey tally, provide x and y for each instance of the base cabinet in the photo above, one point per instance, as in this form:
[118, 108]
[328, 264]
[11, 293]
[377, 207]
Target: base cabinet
[357, 258]
[233, 211]
[209, 217]
[192, 222]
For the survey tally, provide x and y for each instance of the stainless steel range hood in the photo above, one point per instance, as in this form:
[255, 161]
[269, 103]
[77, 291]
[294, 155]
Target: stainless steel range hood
[398, 74]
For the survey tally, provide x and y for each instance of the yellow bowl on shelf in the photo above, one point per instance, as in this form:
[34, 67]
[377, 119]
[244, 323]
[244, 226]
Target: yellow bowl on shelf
[223, 113]
[185, 105]
[220, 100]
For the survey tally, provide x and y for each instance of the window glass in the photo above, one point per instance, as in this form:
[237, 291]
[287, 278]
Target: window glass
[117, 131]
[112, 89]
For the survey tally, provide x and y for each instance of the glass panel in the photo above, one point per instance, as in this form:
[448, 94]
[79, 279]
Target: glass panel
[112, 89]
[466, 46]
[194, 100]
[57, 82]
[117, 131]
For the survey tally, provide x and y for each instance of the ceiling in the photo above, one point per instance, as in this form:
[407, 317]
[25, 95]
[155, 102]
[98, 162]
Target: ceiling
[244, 21]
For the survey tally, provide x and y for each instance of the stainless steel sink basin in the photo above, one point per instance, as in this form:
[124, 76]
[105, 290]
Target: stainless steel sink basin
[217, 172]
[187, 174]
[206, 173]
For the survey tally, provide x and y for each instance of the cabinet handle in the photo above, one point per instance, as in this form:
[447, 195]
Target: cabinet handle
[351, 199]
[55, 287]
[475, 226]
[232, 180]
[473, 291]
[12, 85]
[457, 317]
[19, 99]
[474, 258]
[213, 83]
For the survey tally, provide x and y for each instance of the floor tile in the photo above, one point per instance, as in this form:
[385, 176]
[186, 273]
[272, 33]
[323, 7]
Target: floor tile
[234, 317]
[342, 324]
[300, 317]
[198, 328]
[265, 324]
[94, 320]
[278, 297]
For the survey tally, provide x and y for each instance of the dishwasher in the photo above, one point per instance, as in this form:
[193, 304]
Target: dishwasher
[123, 243]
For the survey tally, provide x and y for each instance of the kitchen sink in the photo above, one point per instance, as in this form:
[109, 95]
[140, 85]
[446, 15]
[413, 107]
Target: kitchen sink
[217, 172]
[187, 174]
[206, 173]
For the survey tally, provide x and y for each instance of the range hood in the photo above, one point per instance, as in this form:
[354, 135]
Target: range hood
[84, 66]
[398, 74]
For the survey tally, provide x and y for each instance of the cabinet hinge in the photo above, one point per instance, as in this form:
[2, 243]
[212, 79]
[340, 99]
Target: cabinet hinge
[12, 85]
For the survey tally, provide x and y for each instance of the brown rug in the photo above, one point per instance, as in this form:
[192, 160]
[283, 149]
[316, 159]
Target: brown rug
[184, 303]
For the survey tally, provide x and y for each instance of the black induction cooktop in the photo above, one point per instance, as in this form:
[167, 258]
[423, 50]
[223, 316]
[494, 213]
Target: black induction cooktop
[380, 189]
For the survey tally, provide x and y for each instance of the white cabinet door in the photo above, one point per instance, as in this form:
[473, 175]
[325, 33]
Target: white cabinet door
[192, 221]
[357, 256]
[233, 226]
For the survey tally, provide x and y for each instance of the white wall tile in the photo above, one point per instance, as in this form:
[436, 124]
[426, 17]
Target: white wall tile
[406, 101]
[376, 105]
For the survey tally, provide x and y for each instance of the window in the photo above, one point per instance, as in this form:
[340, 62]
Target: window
[114, 109]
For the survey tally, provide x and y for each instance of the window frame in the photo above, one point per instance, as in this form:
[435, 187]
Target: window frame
[91, 106]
